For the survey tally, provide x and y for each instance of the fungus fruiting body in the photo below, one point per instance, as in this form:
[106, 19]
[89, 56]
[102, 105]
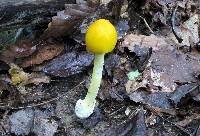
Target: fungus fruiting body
[101, 38]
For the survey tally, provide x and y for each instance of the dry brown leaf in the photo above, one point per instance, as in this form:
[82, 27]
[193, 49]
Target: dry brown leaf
[67, 20]
[132, 41]
[37, 78]
[166, 69]
[22, 48]
[188, 32]
[46, 51]
[166, 66]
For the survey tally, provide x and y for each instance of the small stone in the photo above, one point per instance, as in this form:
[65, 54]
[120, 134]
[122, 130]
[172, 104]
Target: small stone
[21, 122]
[43, 125]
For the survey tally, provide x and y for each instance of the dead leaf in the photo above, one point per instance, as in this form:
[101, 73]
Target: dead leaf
[46, 50]
[166, 68]
[68, 64]
[20, 78]
[183, 91]
[161, 110]
[37, 78]
[17, 74]
[159, 17]
[67, 20]
[157, 99]
[122, 28]
[93, 3]
[143, 42]
[188, 32]
[21, 49]
[134, 85]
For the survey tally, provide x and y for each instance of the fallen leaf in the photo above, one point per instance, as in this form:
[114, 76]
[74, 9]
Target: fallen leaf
[21, 49]
[67, 20]
[143, 46]
[141, 43]
[159, 17]
[188, 32]
[135, 85]
[104, 1]
[68, 64]
[94, 3]
[24, 122]
[37, 78]
[20, 78]
[17, 74]
[182, 91]
[167, 68]
[156, 99]
[122, 28]
[43, 124]
[46, 50]
[161, 110]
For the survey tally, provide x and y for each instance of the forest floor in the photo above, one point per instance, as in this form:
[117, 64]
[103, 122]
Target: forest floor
[150, 83]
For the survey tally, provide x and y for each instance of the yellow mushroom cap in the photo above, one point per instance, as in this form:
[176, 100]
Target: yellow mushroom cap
[101, 37]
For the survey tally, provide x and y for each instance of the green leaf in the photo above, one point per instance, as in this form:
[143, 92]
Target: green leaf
[133, 74]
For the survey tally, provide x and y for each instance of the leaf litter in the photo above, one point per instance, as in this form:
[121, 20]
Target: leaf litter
[150, 84]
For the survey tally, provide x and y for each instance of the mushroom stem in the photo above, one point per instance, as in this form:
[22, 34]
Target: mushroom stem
[96, 78]
[84, 108]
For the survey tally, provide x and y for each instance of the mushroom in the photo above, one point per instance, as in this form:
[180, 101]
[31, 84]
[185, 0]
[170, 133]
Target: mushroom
[101, 38]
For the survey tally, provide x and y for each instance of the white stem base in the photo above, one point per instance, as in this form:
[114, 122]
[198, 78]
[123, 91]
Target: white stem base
[82, 109]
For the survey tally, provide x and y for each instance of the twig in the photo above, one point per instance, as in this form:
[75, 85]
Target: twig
[174, 27]
[147, 25]
[114, 112]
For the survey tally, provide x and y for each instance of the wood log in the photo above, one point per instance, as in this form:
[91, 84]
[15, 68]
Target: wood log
[16, 14]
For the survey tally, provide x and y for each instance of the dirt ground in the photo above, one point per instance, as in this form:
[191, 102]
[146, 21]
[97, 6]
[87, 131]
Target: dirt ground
[150, 84]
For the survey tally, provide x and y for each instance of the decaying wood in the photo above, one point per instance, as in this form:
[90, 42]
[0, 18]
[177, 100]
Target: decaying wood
[20, 13]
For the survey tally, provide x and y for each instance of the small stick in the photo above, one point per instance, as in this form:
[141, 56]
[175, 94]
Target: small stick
[174, 27]
[147, 25]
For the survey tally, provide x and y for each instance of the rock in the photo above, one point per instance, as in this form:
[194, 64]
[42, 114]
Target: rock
[43, 126]
[21, 122]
